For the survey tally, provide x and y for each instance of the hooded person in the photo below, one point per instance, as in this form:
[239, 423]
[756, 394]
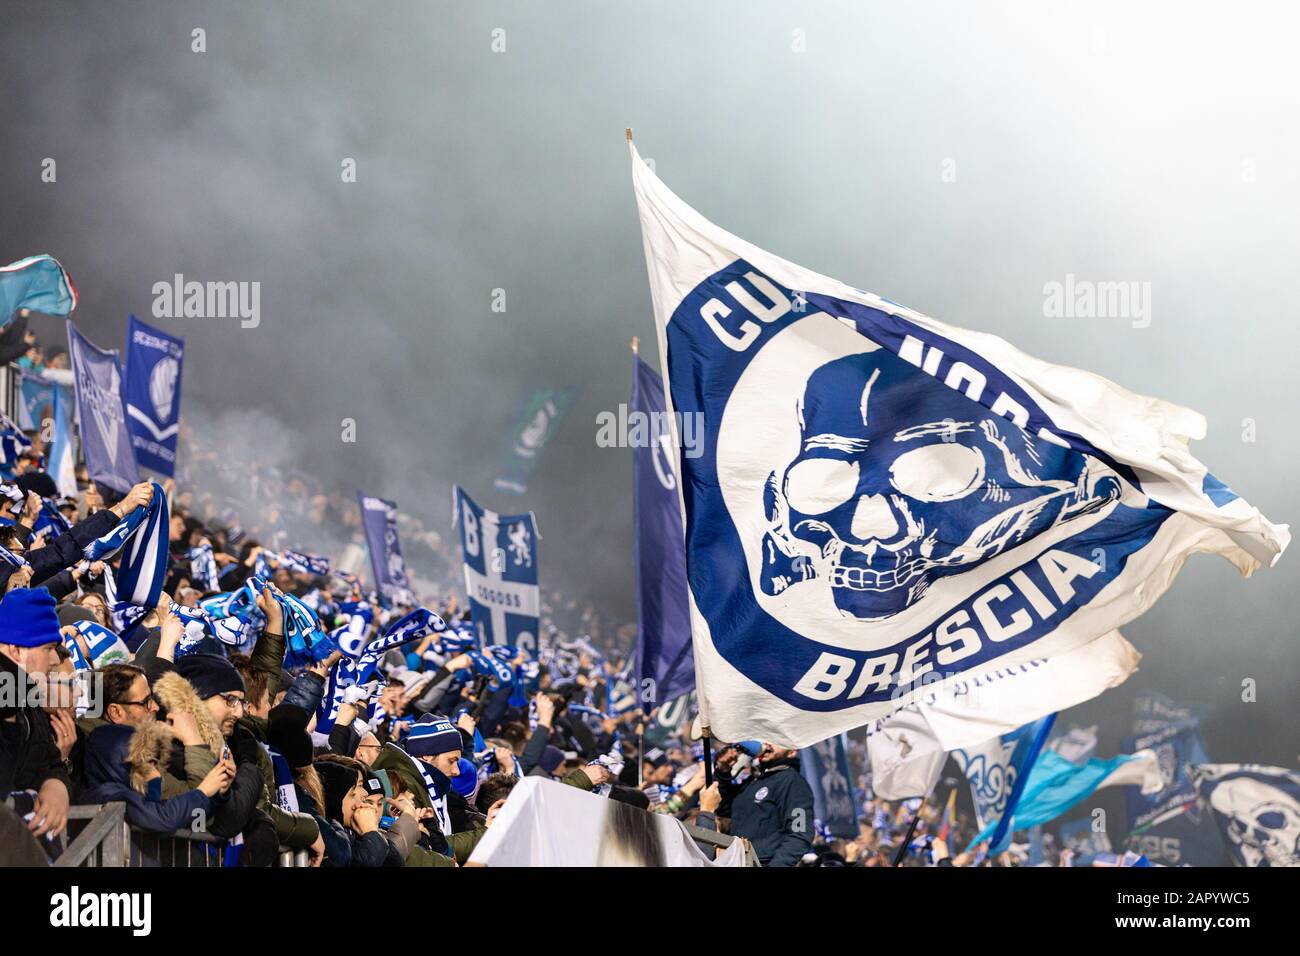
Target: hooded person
[221, 688]
[770, 808]
[123, 763]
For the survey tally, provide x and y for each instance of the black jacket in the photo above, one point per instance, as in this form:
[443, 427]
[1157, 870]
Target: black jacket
[28, 753]
[773, 810]
[65, 550]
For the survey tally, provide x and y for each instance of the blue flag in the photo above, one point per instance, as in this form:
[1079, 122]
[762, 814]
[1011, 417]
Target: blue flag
[38, 283]
[537, 424]
[881, 500]
[825, 765]
[1177, 747]
[1055, 784]
[153, 394]
[663, 639]
[62, 466]
[500, 555]
[105, 442]
[1257, 808]
[1187, 838]
[35, 400]
[379, 519]
[998, 771]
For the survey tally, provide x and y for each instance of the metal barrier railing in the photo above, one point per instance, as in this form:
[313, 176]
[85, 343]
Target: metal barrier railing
[106, 839]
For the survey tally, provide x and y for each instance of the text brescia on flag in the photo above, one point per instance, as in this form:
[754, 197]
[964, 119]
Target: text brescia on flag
[883, 499]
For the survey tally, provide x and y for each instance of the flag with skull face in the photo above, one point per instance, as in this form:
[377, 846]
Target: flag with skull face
[1257, 808]
[882, 502]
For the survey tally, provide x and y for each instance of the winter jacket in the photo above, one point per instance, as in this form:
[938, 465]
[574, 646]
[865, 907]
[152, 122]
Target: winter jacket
[115, 755]
[773, 810]
[65, 550]
[33, 753]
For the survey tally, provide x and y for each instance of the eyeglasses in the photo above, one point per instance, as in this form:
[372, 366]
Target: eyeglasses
[145, 702]
[233, 702]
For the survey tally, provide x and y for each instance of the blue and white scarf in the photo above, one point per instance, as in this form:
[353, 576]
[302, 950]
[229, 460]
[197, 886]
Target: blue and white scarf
[611, 761]
[15, 560]
[203, 568]
[51, 520]
[305, 563]
[286, 797]
[142, 538]
[305, 640]
[127, 617]
[499, 671]
[198, 626]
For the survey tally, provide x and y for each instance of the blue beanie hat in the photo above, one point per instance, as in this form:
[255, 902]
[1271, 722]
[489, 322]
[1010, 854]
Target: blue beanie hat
[431, 738]
[28, 618]
[552, 757]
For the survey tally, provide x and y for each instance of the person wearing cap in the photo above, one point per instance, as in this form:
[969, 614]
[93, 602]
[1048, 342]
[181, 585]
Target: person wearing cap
[350, 819]
[29, 754]
[773, 809]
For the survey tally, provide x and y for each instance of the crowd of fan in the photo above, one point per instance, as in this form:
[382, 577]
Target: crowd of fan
[146, 706]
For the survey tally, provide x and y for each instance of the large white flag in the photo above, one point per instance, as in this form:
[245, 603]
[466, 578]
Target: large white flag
[879, 498]
[908, 748]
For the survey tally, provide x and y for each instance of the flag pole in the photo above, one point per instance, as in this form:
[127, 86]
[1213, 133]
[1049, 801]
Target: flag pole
[707, 740]
[911, 829]
[640, 751]
[636, 345]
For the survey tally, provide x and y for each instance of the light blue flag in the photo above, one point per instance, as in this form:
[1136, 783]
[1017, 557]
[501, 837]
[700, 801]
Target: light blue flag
[36, 395]
[1055, 784]
[38, 283]
[998, 772]
[63, 459]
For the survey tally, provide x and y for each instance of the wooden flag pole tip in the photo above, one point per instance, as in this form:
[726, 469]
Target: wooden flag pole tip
[629, 134]
[636, 345]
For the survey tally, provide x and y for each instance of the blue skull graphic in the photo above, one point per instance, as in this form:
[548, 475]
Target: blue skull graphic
[901, 480]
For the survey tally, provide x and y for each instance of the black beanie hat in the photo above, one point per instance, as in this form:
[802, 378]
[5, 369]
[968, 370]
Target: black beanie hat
[210, 674]
[335, 780]
[287, 733]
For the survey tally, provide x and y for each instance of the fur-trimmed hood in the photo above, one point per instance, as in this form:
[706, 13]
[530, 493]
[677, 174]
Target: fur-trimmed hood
[125, 755]
[176, 694]
[150, 747]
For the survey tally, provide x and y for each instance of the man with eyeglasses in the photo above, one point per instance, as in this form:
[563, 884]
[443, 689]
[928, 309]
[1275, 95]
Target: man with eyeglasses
[127, 697]
[221, 688]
